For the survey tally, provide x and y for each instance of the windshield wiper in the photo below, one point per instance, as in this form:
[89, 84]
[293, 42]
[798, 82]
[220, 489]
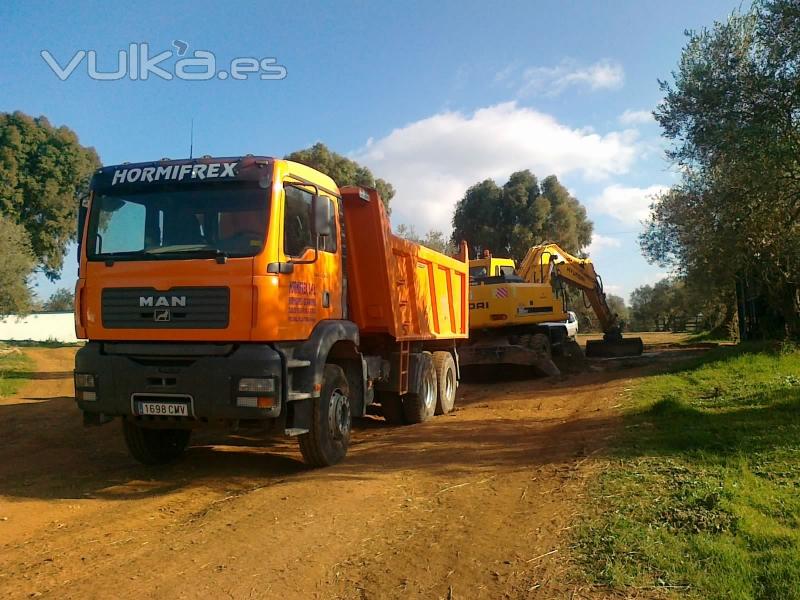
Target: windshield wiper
[110, 257]
[198, 251]
[221, 256]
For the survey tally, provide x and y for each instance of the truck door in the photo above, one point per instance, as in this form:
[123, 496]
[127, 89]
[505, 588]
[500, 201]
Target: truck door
[312, 292]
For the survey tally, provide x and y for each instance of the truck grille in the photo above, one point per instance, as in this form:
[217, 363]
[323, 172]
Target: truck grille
[177, 308]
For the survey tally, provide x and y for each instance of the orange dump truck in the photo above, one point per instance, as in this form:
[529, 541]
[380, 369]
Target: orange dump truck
[252, 292]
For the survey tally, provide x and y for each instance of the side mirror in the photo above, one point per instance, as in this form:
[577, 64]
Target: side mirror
[83, 209]
[323, 215]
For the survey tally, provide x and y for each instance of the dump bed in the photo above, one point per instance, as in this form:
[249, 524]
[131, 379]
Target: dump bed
[395, 286]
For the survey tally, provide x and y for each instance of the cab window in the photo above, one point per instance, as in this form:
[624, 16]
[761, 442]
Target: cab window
[328, 244]
[506, 271]
[298, 235]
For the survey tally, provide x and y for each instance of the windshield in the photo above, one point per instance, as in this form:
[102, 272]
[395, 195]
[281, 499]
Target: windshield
[477, 272]
[179, 222]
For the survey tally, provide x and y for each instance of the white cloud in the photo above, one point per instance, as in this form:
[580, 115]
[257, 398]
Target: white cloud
[636, 117]
[433, 161]
[631, 205]
[601, 242]
[551, 81]
[504, 74]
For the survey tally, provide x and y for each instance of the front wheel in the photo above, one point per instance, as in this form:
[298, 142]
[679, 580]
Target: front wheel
[328, 438]
[154, 446]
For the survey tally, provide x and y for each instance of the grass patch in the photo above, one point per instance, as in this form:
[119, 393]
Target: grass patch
[49, 343]
[708, 336]
[702, 494]
[14, 365]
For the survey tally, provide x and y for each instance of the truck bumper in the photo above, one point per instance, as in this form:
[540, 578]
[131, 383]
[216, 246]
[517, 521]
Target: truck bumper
[203, 376]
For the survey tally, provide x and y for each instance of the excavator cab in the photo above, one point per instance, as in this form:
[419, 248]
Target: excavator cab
[484, 268]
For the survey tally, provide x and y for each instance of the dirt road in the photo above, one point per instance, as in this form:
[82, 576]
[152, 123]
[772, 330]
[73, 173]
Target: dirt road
[477, 504]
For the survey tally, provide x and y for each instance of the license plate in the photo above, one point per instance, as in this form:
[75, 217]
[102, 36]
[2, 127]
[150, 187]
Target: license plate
[164, 409]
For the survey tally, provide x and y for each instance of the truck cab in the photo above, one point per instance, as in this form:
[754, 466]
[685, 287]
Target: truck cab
[214, 291]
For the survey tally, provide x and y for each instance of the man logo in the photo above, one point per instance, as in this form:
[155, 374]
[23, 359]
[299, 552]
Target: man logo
[162, 301]
[162, 316]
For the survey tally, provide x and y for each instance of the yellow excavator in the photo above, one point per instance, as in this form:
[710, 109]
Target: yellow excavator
[518, 315]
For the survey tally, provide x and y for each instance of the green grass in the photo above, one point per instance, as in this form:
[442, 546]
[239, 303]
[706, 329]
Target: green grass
[702, 494]
[13, 370]
[708, 336]
[49, 343]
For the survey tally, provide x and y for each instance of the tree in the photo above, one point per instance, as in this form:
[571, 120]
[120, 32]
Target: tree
[434, 239]
[671, 303]
[509, 220]
[587, 319]
[17, 264]
[43, 172]
[342, 170]
[62, 300]
[733, 116]
[618, 307]
[654, 307]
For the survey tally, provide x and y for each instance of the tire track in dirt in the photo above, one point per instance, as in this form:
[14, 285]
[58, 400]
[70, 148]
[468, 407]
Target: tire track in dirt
[476, 504]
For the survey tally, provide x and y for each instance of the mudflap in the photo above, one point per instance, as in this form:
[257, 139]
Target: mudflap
[614, 348]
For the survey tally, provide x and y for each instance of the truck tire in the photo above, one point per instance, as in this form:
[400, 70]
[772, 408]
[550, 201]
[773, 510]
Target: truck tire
[392, 408]
[328, 438]
[446, 382]
[154, 446]
[420, 405]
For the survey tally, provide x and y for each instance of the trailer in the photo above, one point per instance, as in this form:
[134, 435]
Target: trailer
[253, 292]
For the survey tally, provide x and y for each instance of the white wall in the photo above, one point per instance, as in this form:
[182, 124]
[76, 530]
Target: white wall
[39, 327]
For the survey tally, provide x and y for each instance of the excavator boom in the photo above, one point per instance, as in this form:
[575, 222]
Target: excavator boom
[545, 262]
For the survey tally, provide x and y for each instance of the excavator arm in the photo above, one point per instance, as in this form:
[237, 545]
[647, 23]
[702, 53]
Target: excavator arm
[546, 262]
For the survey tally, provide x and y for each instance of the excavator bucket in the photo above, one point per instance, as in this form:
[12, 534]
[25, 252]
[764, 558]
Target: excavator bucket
[614, 348]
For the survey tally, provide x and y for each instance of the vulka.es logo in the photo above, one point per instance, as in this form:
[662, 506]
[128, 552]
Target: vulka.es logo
[136, 63]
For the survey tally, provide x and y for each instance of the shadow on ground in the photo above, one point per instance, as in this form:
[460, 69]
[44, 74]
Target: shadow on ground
[47, 453]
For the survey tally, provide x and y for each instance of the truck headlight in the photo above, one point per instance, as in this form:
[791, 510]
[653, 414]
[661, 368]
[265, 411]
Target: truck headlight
[257, 385]
[84, 381]
[84, 387]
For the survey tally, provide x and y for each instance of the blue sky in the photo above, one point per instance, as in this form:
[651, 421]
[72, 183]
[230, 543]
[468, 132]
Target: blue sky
[432, 98]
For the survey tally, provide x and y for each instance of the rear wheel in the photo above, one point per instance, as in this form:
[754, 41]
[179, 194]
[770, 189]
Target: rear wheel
[446, 382]
[420, 404]
[154, 446]
[540, 344]
[328, 438]
[392, 408]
